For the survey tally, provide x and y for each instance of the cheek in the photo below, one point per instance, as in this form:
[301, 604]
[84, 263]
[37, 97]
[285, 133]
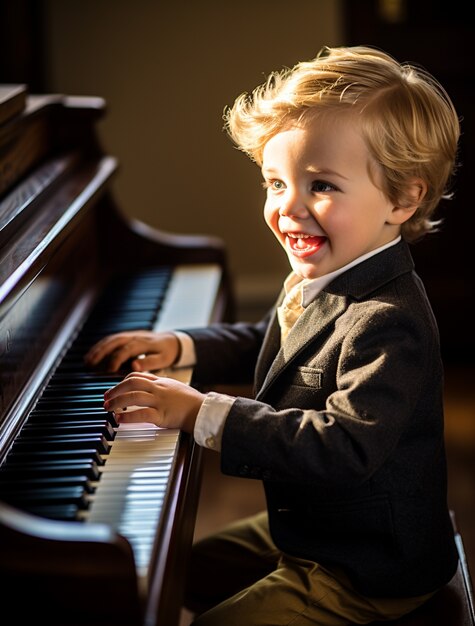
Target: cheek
[333, 219]
[271, 216]
[324, 210]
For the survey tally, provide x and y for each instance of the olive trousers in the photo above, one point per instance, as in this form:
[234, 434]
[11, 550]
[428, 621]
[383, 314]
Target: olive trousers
[239, 578]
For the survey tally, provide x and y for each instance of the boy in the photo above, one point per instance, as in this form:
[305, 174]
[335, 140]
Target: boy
[346, 427]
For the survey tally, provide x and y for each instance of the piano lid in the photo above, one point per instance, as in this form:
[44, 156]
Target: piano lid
[12, 101]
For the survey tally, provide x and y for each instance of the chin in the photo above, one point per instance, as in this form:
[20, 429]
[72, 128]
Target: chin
[304, 272]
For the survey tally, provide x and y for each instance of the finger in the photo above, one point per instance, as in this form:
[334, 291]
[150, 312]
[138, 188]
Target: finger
[148, 414]
[144, 375]
[123, 353]
[104, 347]
[120, 402]
[148, 362]
[135, 381]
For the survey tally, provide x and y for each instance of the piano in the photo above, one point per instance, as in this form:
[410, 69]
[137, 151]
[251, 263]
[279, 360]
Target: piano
[96, 520]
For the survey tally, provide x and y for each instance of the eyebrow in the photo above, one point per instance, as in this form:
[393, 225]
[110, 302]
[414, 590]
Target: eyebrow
[322, 172]
[326, 172]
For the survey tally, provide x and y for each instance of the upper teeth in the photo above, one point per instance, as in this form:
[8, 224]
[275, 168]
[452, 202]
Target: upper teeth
[298, 235]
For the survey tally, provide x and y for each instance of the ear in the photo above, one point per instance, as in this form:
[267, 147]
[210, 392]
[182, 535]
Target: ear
[413, 196]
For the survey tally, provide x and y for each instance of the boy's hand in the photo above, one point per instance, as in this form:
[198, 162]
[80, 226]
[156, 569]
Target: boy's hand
[156, 350]
[164, 402]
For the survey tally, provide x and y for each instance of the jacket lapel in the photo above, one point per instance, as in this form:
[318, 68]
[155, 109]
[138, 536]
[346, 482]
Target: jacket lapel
[274, 359]
[270, 347]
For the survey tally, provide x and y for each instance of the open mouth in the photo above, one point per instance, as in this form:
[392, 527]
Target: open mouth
[304, 245]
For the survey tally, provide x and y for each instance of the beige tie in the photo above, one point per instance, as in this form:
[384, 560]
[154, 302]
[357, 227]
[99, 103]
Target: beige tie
[290, 310]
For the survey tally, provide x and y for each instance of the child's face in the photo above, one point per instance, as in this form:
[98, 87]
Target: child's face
[321, 204]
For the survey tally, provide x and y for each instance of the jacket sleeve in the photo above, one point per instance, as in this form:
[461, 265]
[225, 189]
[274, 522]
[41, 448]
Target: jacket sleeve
[227, 353]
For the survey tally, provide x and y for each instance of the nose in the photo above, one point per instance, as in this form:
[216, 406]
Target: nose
[293, 205]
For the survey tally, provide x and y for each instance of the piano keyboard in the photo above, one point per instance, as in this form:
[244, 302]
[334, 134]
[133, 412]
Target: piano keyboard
[133, 486]
[71, 461]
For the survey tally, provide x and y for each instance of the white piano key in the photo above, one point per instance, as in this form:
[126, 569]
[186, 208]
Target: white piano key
[139, 474]
[127, 487]
[133, 491]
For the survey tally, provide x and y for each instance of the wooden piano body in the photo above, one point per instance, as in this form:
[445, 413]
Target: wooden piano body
[63, 242]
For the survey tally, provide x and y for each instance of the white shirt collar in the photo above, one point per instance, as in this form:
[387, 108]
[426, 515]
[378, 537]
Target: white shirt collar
[312, 288]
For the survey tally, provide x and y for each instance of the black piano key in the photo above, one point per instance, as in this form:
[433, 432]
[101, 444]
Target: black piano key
[92, 402]
[106, 419]
[82, 377]
[89, 469]
[84, 398]
[143, 309]
[79, 413]
[62, 442]
[140, 302]
[64, 388]
[74, 417]
[76, 380]
[19, 456]
[45, 495]
[80, 369]
[144, 312]
[60, 512]
[97, 427]
[13, 485]
[55, 389]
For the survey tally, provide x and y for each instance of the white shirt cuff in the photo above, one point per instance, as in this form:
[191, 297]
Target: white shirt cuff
[210, 421]
[188, 354]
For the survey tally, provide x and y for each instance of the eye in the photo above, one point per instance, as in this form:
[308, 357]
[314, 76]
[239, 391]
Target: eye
[274, 185]
[320, 186]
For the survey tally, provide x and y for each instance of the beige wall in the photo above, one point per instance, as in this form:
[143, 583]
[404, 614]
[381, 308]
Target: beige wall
[167, 70]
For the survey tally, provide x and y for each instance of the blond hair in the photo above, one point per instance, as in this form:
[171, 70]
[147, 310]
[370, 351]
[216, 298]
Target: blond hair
[407, 119]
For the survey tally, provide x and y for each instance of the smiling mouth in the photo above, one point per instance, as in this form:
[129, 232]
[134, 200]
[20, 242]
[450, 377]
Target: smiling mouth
[304, 245]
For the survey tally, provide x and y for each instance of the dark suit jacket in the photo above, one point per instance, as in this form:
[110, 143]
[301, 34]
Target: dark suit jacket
[346, 430]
